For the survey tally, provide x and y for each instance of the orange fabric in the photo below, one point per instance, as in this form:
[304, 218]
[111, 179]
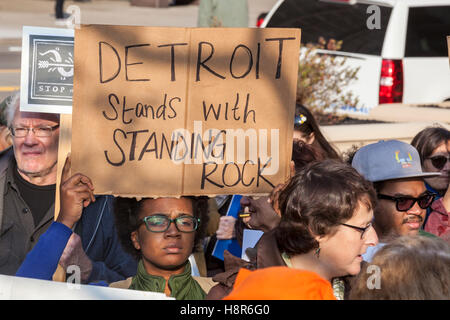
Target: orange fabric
[280, 283]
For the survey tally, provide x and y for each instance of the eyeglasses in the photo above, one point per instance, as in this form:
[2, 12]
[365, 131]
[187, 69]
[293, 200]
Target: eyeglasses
[439, 161]
[44, 131]
[161, 223]
[404, 203]
[362, 230]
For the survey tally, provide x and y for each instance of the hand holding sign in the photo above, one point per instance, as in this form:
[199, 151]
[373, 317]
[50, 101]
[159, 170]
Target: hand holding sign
[77, 192]
[261, 214]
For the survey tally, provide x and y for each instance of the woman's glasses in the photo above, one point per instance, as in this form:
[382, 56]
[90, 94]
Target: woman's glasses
[161, 223]
[362, 230]
[404, 203]
[439, 161]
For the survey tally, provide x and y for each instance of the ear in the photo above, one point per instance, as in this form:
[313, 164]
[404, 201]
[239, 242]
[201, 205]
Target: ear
[319, 239]
[322, 241]
[135, 240]
[311, 138]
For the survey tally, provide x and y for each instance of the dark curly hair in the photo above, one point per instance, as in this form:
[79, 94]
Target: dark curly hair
[126, 213]
[302, 154]
[316, 200]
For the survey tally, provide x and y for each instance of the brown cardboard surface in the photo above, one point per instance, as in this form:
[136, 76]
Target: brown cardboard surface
[448, 47]
[64, 145]
[186, 75]
[65, 133]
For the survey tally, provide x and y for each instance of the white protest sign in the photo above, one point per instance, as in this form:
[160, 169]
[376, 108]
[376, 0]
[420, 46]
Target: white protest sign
[17, 288]
[47, 70]
[249, 240]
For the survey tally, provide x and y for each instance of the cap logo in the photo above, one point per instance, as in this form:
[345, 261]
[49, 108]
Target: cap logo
[405, 162]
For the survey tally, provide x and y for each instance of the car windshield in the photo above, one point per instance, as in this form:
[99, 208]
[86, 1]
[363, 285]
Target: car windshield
[334, 21]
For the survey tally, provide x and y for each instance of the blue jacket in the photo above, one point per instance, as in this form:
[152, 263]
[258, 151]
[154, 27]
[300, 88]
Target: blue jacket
[42, 261]
[100, 242]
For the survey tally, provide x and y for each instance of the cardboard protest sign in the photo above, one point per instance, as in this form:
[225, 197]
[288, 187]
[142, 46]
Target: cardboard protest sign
[47, 70]
[448, 47]
[184, 111]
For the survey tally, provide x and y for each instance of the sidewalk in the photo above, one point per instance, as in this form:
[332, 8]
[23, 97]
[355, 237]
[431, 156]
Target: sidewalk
[16, 13]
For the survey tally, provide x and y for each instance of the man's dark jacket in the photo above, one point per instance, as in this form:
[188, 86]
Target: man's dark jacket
[96, 229]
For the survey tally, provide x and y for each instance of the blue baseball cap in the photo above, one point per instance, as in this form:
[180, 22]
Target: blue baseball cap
[387, 160]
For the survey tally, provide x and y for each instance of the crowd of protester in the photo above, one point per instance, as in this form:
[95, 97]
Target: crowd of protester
[375, 226]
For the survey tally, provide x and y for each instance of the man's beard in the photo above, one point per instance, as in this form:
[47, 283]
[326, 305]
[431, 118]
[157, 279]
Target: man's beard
[412, 218]
[38, 174]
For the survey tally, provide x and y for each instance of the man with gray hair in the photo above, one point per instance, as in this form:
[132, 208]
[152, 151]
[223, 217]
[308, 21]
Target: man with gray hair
[394, 169]
[28, 173]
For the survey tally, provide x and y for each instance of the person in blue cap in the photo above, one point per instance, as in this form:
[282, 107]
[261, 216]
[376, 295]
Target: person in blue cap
[395, 170]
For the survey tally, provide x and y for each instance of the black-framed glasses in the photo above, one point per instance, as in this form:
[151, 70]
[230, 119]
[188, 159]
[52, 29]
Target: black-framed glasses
[161, 223]
[41, 131]
[404, 203]
[362, 230]
[439, 161]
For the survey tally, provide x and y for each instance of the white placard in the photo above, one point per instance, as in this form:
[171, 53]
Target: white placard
[249, 240]
[17, 288]
[47, 70]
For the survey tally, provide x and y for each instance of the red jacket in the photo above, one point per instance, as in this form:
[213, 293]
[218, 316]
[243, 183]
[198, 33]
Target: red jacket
[437, 223]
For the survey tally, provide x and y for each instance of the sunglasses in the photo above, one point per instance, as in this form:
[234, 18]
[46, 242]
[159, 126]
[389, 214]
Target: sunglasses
[439, 161]
[161, 223]
[404, 203]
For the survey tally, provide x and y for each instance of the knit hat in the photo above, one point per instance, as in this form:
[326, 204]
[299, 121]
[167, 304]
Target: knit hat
[280, 283]
[386, 160]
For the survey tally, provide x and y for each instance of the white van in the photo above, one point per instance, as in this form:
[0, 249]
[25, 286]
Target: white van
[400, 45]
